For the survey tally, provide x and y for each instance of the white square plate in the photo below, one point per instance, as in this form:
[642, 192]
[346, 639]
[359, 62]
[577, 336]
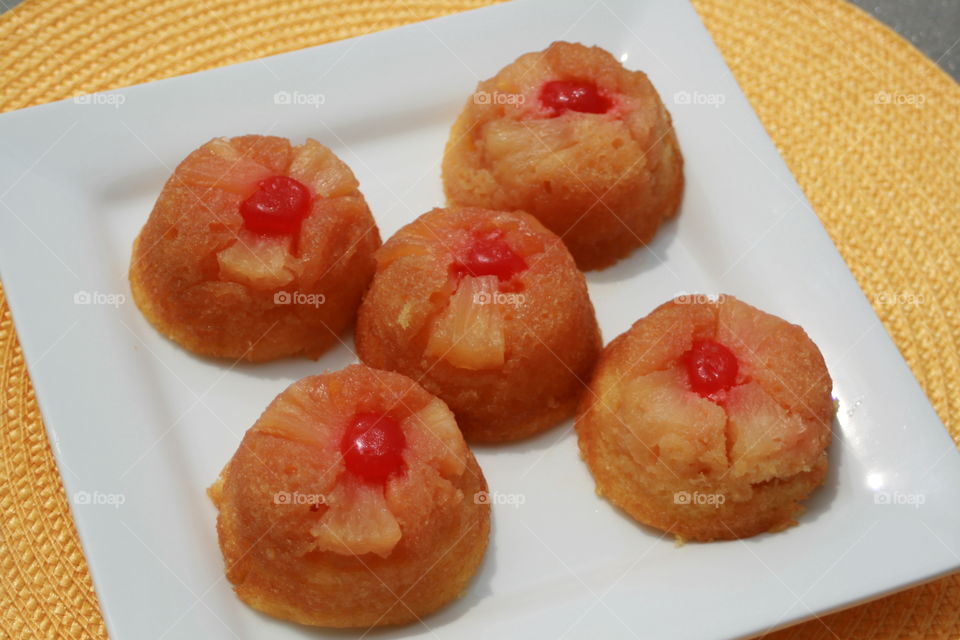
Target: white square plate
[140, 427]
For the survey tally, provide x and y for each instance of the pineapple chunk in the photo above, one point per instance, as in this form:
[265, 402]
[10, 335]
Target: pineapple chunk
[767, 441]
[469, 332]
[434, 438]
[218, 164]
[262, 262]
[418, 494]
[392, 252]
[317, 167]
[357, 521]
[305, 413]
[668, 422]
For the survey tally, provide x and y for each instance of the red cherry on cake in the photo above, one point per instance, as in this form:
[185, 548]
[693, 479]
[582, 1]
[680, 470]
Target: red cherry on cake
[277, 207]
[372, 447]
[490, 255]
[574, 95]
[711, 367]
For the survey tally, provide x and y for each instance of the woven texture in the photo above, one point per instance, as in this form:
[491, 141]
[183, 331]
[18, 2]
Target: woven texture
[867, 124]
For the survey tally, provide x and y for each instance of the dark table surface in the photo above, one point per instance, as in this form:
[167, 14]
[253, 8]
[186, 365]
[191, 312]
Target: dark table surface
[933, 26]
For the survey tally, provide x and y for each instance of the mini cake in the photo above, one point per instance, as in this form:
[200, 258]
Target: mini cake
[708, 420]
[570, 136]
[255, 250]
[487, 311]
[352, 502]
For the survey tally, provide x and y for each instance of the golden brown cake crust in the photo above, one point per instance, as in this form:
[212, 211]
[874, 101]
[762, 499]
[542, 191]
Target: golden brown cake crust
[212, 286]
[548, 340]
[356, 558]
[602, 182]
[700, 469]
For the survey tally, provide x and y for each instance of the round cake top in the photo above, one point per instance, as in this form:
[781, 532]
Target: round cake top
[346, 462]
[473, 280]
[567, 82]
[254, 210]
[716, 389]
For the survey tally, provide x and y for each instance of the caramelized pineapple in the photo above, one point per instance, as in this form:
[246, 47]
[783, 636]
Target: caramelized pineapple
[469, 333]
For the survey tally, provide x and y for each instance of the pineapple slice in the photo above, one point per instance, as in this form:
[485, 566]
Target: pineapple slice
[319, 169]
[262, 262]
[672, 424]
[305, 413]
[357, 520]
[780, 357]
[218, 164]
[767, 441]
[434, 438]
[390, 253]
[419, 493]
[469, 332]
[418, 239]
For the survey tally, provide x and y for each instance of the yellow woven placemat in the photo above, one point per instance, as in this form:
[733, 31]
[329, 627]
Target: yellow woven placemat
[867, 124]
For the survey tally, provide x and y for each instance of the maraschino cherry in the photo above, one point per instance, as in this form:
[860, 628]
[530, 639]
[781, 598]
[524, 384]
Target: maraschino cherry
[711, 367]
[490, 255]
[372, 447]
[573, 95]
[277, 207]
